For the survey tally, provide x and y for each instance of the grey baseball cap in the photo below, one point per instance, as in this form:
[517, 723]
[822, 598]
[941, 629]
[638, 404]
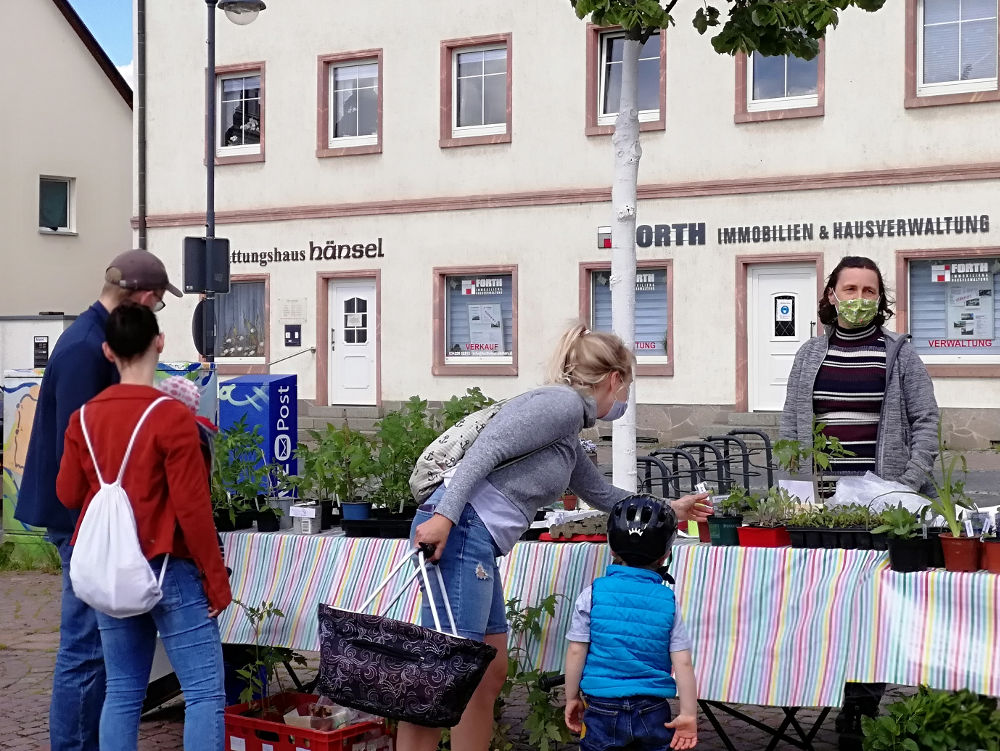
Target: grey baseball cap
[139, 270]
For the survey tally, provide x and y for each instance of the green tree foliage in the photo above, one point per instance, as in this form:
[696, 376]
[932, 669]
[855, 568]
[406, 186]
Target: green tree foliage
[770, 27]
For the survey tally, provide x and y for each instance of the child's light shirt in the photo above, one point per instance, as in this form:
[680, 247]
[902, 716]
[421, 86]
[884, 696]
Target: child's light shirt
[579, 627]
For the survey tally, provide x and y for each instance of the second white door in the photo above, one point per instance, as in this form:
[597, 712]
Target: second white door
[353, 329]
[781, 316]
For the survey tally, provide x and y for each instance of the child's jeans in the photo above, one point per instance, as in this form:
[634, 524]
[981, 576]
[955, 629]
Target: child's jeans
[632, 724]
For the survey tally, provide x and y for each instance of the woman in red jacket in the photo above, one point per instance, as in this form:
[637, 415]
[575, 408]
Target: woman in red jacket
[168, 489]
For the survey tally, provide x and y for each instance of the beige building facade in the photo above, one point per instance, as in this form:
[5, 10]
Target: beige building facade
[66, 168]
[418, 208]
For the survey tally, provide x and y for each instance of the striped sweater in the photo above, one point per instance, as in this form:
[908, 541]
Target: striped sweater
[848, 394]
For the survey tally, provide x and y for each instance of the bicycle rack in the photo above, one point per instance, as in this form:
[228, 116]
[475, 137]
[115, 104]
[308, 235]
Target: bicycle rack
[693, 473]
[744, 452]
[768, 465]
[722, 475]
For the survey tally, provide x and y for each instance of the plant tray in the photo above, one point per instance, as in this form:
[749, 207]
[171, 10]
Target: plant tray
[385, 528]
[254, 734]
[546, 537]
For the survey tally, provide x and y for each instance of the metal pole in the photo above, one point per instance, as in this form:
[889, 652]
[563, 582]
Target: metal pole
[208, 319]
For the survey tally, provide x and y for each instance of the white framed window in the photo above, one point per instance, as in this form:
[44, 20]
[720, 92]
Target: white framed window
[353, 105]
[56, 209]
[242, 323]
[479, 91]
[652, 327]
[956, 46]
[609, 78]
[238, 97]
[954, 310]
[479, 319]
[781, 82]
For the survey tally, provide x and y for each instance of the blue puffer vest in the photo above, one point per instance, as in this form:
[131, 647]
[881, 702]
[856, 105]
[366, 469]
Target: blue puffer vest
[631, 617]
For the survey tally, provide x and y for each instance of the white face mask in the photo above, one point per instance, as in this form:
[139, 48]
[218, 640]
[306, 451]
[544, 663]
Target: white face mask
[616, 411]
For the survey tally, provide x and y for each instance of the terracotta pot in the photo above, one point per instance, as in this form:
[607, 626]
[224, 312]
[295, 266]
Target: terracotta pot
[704, 533]
[764, 537]
[569, 502]
[960, 553]
[991, 556]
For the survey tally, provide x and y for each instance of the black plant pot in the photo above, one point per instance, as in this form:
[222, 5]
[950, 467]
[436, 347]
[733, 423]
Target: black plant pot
[813, 538]
[797, 536]
[862, 538]
[907, 555]
[244, 520]
[327, 519]
[268, 520]
[935, 553]
[830, 539]
[880, 541]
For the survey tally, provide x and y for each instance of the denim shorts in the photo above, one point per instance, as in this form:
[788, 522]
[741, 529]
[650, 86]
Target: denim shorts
[635, 723]
[471, 577]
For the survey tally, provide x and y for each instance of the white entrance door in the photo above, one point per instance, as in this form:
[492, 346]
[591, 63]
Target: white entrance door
[781, 315]
[352, 341]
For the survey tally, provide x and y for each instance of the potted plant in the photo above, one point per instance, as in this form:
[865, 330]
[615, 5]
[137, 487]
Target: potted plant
[312, 485]
[346, 468]
[238, 475]
[852, 523]
[764, 524]
[722, 525]
[934, 721]
[800, 458]
[907, 551]
[399, 439]
[804, 527]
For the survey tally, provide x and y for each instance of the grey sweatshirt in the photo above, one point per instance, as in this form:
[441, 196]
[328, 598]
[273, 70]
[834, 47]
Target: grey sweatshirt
[550, 415]
[907, 444]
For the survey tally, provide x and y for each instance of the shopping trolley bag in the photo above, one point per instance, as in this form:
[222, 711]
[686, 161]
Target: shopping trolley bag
[396, 669]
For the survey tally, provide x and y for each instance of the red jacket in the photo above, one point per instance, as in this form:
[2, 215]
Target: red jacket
[165, 479]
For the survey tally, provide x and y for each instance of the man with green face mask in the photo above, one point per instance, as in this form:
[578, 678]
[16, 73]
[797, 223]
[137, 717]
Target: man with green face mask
[870, 389]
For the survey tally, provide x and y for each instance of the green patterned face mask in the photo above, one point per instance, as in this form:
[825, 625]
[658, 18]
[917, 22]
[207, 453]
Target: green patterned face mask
[856, 313]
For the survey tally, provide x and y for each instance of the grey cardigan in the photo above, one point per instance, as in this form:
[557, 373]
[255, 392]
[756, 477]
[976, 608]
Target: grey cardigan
[546, 421]
[907, 443]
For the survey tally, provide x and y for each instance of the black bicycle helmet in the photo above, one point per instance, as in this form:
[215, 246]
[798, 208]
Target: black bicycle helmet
[641, 529]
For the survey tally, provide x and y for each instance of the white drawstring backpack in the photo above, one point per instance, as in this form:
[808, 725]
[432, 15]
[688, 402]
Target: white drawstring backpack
[107, 567]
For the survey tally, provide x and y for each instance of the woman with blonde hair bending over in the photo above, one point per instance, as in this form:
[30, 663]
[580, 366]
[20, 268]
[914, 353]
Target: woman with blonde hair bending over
[486, 505]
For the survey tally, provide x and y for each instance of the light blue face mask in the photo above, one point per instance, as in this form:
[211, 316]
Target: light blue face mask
[616, 411]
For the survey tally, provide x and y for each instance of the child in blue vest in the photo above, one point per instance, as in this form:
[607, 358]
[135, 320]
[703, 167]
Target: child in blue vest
[627, 637]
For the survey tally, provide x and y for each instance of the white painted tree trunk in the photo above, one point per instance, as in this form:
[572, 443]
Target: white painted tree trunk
[623, 202]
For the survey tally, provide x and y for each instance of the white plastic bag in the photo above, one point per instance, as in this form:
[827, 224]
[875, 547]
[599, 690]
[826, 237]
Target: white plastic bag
[107, 569]
[872, 491]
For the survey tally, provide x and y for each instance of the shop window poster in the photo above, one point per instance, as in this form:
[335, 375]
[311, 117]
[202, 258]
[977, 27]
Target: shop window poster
[485, 328]
[970, 311]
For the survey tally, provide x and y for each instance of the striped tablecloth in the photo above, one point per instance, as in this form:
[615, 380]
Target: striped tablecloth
[773, 627]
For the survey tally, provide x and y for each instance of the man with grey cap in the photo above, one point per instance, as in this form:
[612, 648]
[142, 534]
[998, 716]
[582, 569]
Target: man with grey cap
[76, 372]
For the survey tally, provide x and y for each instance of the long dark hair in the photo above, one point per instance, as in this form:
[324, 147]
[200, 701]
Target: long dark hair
[828, 313]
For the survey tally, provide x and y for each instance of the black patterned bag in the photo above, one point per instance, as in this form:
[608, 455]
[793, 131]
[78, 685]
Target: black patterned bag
[396, 669]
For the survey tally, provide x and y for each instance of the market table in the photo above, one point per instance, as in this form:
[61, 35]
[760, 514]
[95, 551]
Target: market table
[779, 627]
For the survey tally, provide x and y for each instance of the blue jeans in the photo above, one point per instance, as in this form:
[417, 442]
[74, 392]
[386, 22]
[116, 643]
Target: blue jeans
[78, 678]
[471, 577]
[192, 643]
[632, 724]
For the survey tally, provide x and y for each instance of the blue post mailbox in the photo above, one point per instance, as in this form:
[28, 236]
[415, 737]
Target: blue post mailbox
[271, 402]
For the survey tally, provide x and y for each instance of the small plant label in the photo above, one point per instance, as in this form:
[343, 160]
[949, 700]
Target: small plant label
[303, 510]
[968, 528]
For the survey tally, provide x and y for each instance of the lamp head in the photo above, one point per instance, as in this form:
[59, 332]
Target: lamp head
[241, 12]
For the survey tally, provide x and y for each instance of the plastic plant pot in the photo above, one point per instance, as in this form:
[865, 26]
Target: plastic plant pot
[830, 539]
[991, 556]
[355, 510]
[880, 542]
[907, 555]
[722, 530]
[764, 537]
[268, 521]
[704, 533]
[798, 537]
[960, 553]
[813, 538]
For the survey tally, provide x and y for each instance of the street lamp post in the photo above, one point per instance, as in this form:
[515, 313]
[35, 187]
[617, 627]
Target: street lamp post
[240, 12]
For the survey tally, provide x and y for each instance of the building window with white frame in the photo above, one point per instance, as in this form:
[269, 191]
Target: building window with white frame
[954, 316]
[956, 46]
[612, 45]
[479, 319]
[651, 324]
[55, 204]
[781, 82]
[239, 109]
[353, 104]
[479, 91]
[242, 323]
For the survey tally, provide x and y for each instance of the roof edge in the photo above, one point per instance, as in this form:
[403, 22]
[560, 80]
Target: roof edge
[95, 49]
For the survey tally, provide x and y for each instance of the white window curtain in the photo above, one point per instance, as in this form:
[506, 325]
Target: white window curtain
[479, 316]
[959, 41]
[650, 309]
[242, 327]
[239, 111]
[354, 105]
[481, 87]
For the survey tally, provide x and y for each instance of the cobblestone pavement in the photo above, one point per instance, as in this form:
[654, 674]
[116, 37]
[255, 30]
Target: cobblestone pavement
[29, 637]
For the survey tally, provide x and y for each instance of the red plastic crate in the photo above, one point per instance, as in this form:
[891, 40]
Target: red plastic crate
[254, 734]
